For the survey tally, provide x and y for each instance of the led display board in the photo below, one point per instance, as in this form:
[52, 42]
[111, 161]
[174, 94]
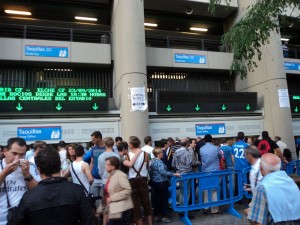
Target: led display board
[70, 99]
[295, 103]
[205, 102]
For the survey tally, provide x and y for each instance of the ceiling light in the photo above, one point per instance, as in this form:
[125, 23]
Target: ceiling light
[285, 39]
[198, 29]
[17, 12]
[85, 18]
[150, 24]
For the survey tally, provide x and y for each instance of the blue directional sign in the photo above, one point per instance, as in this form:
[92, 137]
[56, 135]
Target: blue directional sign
[214, 128]
[189, 58]
[292, 66]
[46, 51]
[40, 133]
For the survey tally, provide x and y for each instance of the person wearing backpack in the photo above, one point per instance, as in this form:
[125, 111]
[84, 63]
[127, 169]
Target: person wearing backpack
[267, 145]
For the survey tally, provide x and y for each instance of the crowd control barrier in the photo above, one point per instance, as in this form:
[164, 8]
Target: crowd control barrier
[218, 185]
[293, 167]
[246, 172]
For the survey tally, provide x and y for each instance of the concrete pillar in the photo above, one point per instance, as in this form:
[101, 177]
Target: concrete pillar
[129, 55]
[266, 80]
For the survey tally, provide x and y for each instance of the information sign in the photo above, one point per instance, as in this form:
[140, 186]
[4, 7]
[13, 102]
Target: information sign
[292, 66]
[46, 51]
[189, 58]
[40, 133]
[215, 128]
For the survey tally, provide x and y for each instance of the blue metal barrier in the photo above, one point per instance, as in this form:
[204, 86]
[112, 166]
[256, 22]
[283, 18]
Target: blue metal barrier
[194, 185]
[245, 173]
[293, 167]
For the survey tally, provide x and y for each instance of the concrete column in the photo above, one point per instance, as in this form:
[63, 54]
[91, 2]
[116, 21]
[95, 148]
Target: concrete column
[129, 55]
[266, 80]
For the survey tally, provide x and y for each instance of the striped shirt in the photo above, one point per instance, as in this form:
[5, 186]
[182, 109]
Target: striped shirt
[259, 212]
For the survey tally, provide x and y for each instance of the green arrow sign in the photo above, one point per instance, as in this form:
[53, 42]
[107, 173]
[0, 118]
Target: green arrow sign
[95, 106]
[197, 107]
[58, 107]
[248, 107]
[19, 107]
[224, 107]
[296, 109]
[169, 108]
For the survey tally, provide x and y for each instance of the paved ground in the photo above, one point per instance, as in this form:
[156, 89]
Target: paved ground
[209, 219]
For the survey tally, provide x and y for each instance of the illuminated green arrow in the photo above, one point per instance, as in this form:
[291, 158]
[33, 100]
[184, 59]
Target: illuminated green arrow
[95, 106]
[19, 107]
[248, 107]
[224, 107]
[197, 107]
[169, 108]
[296, 109]
[58, 107]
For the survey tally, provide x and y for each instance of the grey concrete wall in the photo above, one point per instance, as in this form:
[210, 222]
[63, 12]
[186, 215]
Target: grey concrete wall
[13, 49]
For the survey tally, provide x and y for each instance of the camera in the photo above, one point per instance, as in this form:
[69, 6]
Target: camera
[188, 10]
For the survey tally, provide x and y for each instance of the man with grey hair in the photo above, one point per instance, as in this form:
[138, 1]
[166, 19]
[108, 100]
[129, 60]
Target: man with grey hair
[276, 200]
[253, 156]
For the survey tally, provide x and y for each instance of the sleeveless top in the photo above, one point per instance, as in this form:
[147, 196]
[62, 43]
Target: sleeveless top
[137, 165]
[83, 178]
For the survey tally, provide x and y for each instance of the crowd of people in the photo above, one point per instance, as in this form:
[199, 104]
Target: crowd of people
[48, 185]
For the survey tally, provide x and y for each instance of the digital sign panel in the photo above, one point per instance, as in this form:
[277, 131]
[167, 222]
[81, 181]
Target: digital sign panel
[70, 99]
[295, 103]
[205, 102]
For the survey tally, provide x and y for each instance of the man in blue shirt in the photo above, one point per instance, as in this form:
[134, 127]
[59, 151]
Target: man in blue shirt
[96, 151]
[227, 150]
[238, 148]
[210, 156]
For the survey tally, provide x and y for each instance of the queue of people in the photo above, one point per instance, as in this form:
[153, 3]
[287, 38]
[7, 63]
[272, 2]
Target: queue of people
[119, 174]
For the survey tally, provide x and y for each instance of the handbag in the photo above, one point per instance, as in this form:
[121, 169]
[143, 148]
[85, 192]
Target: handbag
[11, 211]
[92, 199]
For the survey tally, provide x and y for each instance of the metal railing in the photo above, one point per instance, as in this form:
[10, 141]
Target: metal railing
[204, 44]
[54, 33]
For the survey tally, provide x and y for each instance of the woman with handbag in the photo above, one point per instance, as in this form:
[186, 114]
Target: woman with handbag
[159, 186]
[117, 192]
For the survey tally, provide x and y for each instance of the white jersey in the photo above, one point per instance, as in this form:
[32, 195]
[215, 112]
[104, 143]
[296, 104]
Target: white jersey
[16, 187]
[63, 158]
[255, 175]
[33, 170]
[149, 150]
[82, 176]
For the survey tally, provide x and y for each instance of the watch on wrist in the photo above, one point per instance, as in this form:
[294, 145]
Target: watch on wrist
[28, 178]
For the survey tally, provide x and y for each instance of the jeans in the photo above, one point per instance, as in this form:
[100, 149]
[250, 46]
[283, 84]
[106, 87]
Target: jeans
[160, 194]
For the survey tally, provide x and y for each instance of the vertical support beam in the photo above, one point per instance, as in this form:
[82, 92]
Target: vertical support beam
[129, 55]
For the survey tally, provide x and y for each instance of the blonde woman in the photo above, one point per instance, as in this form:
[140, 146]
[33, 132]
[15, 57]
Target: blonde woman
[159, 186]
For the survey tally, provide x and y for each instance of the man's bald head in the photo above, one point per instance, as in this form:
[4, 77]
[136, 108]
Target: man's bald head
[270, 163]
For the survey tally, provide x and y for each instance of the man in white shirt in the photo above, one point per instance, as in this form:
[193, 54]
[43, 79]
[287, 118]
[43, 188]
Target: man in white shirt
[148, 146]
[15, 178]
[280, 143]
[37, 146]
[253, 156]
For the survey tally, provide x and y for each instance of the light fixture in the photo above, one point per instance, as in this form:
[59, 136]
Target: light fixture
[24, 13]
[85, 18]
[150, 24]
[285, 39]
[198, 29]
